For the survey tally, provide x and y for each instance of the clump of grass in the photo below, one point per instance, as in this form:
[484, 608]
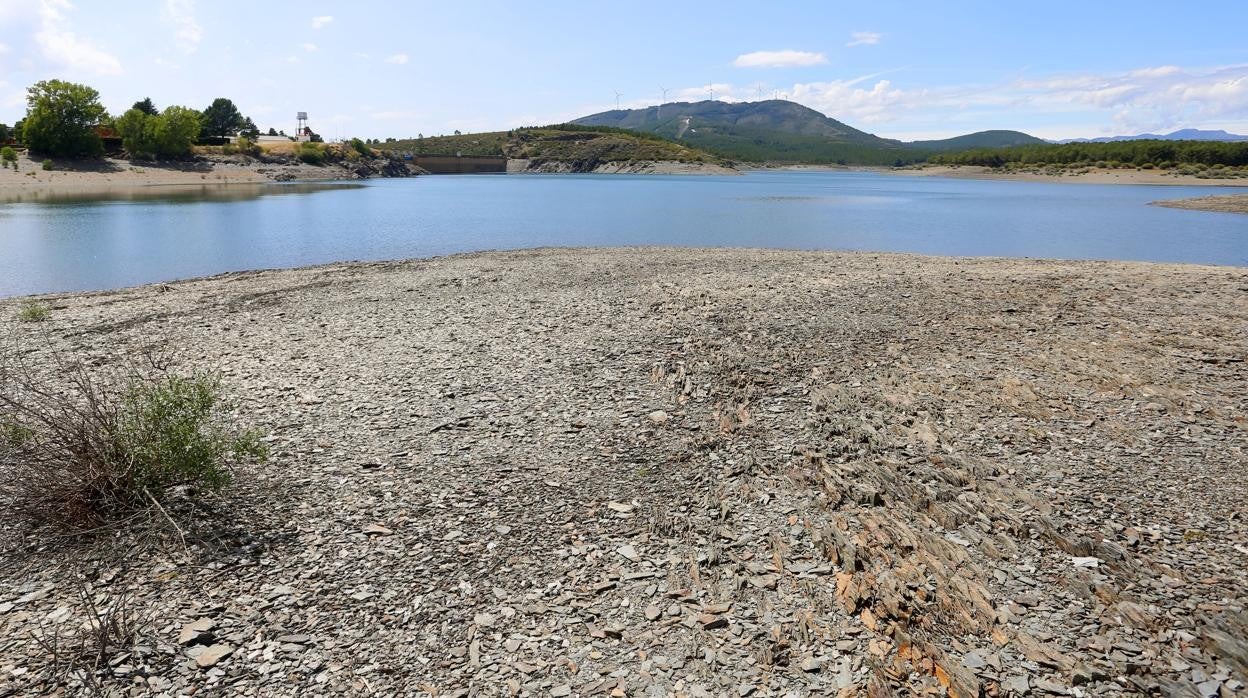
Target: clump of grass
[47, 165]
[33, 311]
[85, 450]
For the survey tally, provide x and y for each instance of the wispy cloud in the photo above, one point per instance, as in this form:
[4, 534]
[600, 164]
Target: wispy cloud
[310, 47]
[180, 14]
[321, 21]
[864, 38]
[398, 59]
[779, 59]
[60, 45]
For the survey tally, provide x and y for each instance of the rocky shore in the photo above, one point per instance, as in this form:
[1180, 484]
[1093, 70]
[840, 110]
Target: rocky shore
[528, 166]
[1235, 203]
[31, 182]
[649, 472]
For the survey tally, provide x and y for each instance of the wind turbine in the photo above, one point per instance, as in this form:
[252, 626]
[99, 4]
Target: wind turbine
[760, 91]
[664, 89]
[618, 94]
[711, 86]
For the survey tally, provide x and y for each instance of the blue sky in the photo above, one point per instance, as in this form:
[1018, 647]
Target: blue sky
[899, 69]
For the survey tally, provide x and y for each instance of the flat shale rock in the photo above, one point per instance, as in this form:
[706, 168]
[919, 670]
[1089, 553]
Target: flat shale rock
[650, 472]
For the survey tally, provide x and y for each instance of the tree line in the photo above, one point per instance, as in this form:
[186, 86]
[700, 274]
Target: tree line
[1136, 153]
[65, 119]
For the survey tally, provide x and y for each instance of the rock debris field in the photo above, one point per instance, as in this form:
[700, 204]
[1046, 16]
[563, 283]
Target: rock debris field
[684, 472]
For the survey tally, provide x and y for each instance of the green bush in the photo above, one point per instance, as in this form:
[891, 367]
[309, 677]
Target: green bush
[8, 156]
[361, 147]
[171, 433]
[98, 450]
[47, 165]
[33, 311]
[311, 153]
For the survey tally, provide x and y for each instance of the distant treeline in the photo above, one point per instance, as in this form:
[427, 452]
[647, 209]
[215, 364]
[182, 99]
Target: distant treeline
[1144, 152]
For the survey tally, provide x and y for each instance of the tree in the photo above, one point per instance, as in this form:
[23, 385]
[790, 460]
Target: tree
[221, 118]
[4, 133]
[176, 131]
[169, 134]
[136, 132]
[272, 131]
[61, 118]
[146, 106]
[249, 129]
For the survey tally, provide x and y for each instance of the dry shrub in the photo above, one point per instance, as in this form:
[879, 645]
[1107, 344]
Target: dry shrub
[104, 626]
[85, 450]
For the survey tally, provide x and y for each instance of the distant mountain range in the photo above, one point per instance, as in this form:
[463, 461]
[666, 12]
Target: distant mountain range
[779, 130]
[1187, 134]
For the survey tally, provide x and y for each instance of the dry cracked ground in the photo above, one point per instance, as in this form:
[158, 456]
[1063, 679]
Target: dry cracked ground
[680, 472]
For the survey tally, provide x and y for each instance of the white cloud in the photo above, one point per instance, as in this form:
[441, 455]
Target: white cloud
[62, 46]
[864, 38]
[360, 55]
[310, 47]
[321, 21]
[181, 15]
[779, 59]
[398, 59]
[4, 48]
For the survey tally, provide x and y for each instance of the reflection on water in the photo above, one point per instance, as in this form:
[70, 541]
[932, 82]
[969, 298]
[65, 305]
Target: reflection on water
[172, 193]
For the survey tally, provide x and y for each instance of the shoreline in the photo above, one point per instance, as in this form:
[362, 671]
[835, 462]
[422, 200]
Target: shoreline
[364, 266]
[584, 465]
[1234, 203]
[112, 175]
[1093, 176]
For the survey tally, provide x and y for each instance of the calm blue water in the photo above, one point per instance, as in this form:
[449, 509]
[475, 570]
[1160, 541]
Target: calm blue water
[79, 245]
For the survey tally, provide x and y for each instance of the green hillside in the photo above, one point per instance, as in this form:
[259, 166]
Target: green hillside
[980, 139]
[782, 131]
[572, 143]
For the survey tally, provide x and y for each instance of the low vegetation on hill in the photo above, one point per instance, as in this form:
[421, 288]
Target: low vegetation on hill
[560, 142]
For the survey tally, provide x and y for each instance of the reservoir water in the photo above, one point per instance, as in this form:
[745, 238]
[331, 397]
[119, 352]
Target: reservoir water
[158, 235]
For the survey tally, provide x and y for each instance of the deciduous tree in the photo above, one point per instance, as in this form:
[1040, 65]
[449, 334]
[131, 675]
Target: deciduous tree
[61, 118]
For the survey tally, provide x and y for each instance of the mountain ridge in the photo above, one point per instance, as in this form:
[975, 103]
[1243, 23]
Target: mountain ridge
[1183, 134]
[784, 131]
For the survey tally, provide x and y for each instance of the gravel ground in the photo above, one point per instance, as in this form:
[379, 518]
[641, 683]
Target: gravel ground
[1235, 203]
[684, 472]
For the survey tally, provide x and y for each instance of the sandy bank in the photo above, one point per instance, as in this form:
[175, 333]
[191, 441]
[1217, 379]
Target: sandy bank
[686, 472]
[1235, 203]
[1092, 176]
[31, 182]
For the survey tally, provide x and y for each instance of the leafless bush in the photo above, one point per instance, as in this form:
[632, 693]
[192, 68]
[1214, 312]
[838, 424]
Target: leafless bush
[79, 650]
[85, 449]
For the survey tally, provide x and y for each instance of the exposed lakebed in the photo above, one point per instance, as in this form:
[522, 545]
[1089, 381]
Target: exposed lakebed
[101, 241]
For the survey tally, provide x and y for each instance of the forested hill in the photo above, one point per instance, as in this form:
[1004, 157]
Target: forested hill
[782, 131]
[677, 119]
[560, 142]
[980, 139]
